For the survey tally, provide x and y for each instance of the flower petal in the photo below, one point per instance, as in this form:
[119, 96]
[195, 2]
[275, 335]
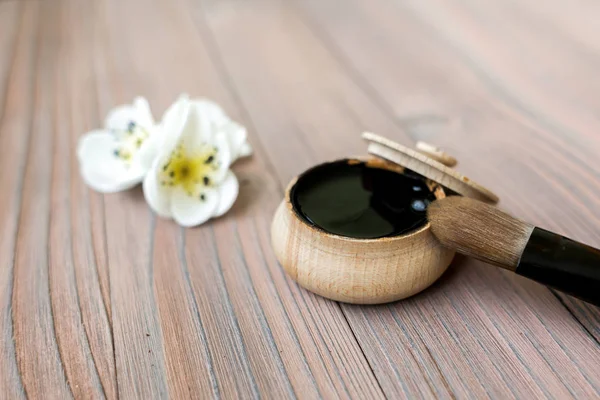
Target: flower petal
[143, 112]
[173, 123]
[120, 117]
[228, 192]
[149, 149]
[223, 157]
[157, 197]
[237, 137]
[245, 150]
[100, 168]
[107, 180]
[190, 210]
[203, 120]
[212, 109]
[215, 120]
[96, 147]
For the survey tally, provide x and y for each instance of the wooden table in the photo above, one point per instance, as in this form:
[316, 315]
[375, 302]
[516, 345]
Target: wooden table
[100, 298]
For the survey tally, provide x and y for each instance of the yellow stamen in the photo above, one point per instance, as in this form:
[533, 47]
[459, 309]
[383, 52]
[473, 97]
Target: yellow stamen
[129, 144]
[190, 170]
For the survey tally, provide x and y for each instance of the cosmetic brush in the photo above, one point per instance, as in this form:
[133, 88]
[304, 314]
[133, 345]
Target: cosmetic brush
[488, 234]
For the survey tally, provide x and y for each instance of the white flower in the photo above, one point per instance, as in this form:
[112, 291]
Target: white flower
[118, 157]
[190, 180]
[214, 119]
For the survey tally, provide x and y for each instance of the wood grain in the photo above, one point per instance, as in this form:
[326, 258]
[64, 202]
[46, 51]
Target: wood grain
[101, 299]
[19, 44]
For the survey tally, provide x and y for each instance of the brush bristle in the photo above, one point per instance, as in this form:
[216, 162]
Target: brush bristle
[479, 230]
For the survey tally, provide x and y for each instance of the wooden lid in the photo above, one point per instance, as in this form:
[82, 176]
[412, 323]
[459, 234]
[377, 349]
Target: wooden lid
[428, 167]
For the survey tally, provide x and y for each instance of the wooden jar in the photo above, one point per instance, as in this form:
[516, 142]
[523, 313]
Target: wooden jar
[362, 271]
[366, 271]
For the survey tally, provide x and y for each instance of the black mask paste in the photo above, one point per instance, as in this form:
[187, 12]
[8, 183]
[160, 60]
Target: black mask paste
[349, 198]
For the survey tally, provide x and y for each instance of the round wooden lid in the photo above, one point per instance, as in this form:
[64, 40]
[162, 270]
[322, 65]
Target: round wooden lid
[428, 167]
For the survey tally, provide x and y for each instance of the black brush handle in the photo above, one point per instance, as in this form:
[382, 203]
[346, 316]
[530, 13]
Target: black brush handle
[562, 264]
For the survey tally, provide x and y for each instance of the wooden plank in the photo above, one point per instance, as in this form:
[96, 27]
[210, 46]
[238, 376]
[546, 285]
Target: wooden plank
[102, 299]
[38, 355]
[86, 216]
[247, 350]
[563, 112]
[564, 35]
[18, 63]
[389, 38]
[250, 289]
[274, 115]
[189, 364]
[137, 333]
[10, 18]
[72, 337]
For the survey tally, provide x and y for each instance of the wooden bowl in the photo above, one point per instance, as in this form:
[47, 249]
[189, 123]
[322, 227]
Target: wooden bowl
[360, 271]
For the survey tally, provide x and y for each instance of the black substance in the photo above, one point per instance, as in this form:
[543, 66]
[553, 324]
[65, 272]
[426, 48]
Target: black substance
[348, 198]
[563, 264]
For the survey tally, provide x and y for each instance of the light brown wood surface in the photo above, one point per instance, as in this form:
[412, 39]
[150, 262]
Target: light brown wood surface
[101, 299]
